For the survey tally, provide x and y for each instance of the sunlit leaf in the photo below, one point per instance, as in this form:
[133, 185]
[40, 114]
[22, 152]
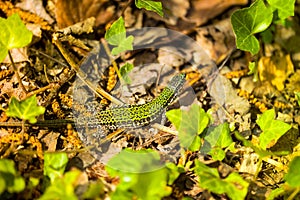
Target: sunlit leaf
[215, 139]
[285, 8]
[124, 45]
[189, 125]
[26, 109]
[116, 33]
[9, 179]
[141, 174]
[233, 185]
[116, 36]
[55, 165]
[94, 190]
[275, 69]
[124, 71]
[155, 6]
[62, 187]
[13, 34]
[272, 129]
[249, 21]
[293, 175]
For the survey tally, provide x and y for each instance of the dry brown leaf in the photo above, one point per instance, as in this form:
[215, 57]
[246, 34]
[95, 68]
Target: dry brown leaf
[218, 40]
[36, 7]
[221, 89]
[70, 12]
[9, 89]
[250, 163]
[204, 10]
[294, 83]
[50, 140]
[19, 55]
[173, 11]
[168, 56]
[275, 69]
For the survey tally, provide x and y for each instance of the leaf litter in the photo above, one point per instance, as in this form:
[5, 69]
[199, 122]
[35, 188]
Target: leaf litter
[278, 94]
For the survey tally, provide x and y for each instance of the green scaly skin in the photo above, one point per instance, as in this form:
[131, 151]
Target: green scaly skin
[132, 116]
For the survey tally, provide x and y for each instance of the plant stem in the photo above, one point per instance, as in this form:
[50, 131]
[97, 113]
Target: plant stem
[16, 72]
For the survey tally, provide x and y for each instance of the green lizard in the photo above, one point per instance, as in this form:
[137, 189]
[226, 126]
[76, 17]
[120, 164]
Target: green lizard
[126, 116]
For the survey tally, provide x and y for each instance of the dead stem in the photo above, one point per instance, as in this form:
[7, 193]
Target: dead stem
[16, 72]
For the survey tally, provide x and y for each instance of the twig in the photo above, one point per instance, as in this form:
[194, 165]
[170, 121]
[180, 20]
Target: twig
[16, 72]
[113, 62]
[99, 91]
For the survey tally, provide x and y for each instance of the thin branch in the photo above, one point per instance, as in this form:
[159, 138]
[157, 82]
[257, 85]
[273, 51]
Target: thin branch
[16, 72]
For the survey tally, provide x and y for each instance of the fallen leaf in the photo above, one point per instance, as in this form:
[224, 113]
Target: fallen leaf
[70, 12]
[218, 39]
[173, 11]
[204, 10]
[50, 140]
[36, 7]
[275, 69]
[19, 55]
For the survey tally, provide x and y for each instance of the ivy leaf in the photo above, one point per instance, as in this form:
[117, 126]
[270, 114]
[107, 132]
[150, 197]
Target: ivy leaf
[26, 109]
[10, 180]
[63, 187]
[124, 71]
[293, 176]
[215, 139]
[55, 164]
[285, 8]
[150, 5]
[13, 34]
[189, 125]
[116, 36]
[141, 175]
[233, 185]
[272, 129]
[249, 21]
[124, 45]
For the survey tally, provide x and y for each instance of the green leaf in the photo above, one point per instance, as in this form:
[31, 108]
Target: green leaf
[215, 139]
[116, 33]
[285, 8]
[141, 174]
[55, 165]
[13, 34]
[124, 71]
[116, 36]
[189, 125]
[124, 45]
[132, 161]
[94, 190]
[248, 21]
[174, 172]
[293, 175]
[150, 5]
[253, 70]
[233, 185]
[26, 109]
[195, 145]
[217, 153]
[268, 34]
[272, 129]
[33, 182]
[63, 187]
[9, 180]
[262, 153]
[276, 193]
